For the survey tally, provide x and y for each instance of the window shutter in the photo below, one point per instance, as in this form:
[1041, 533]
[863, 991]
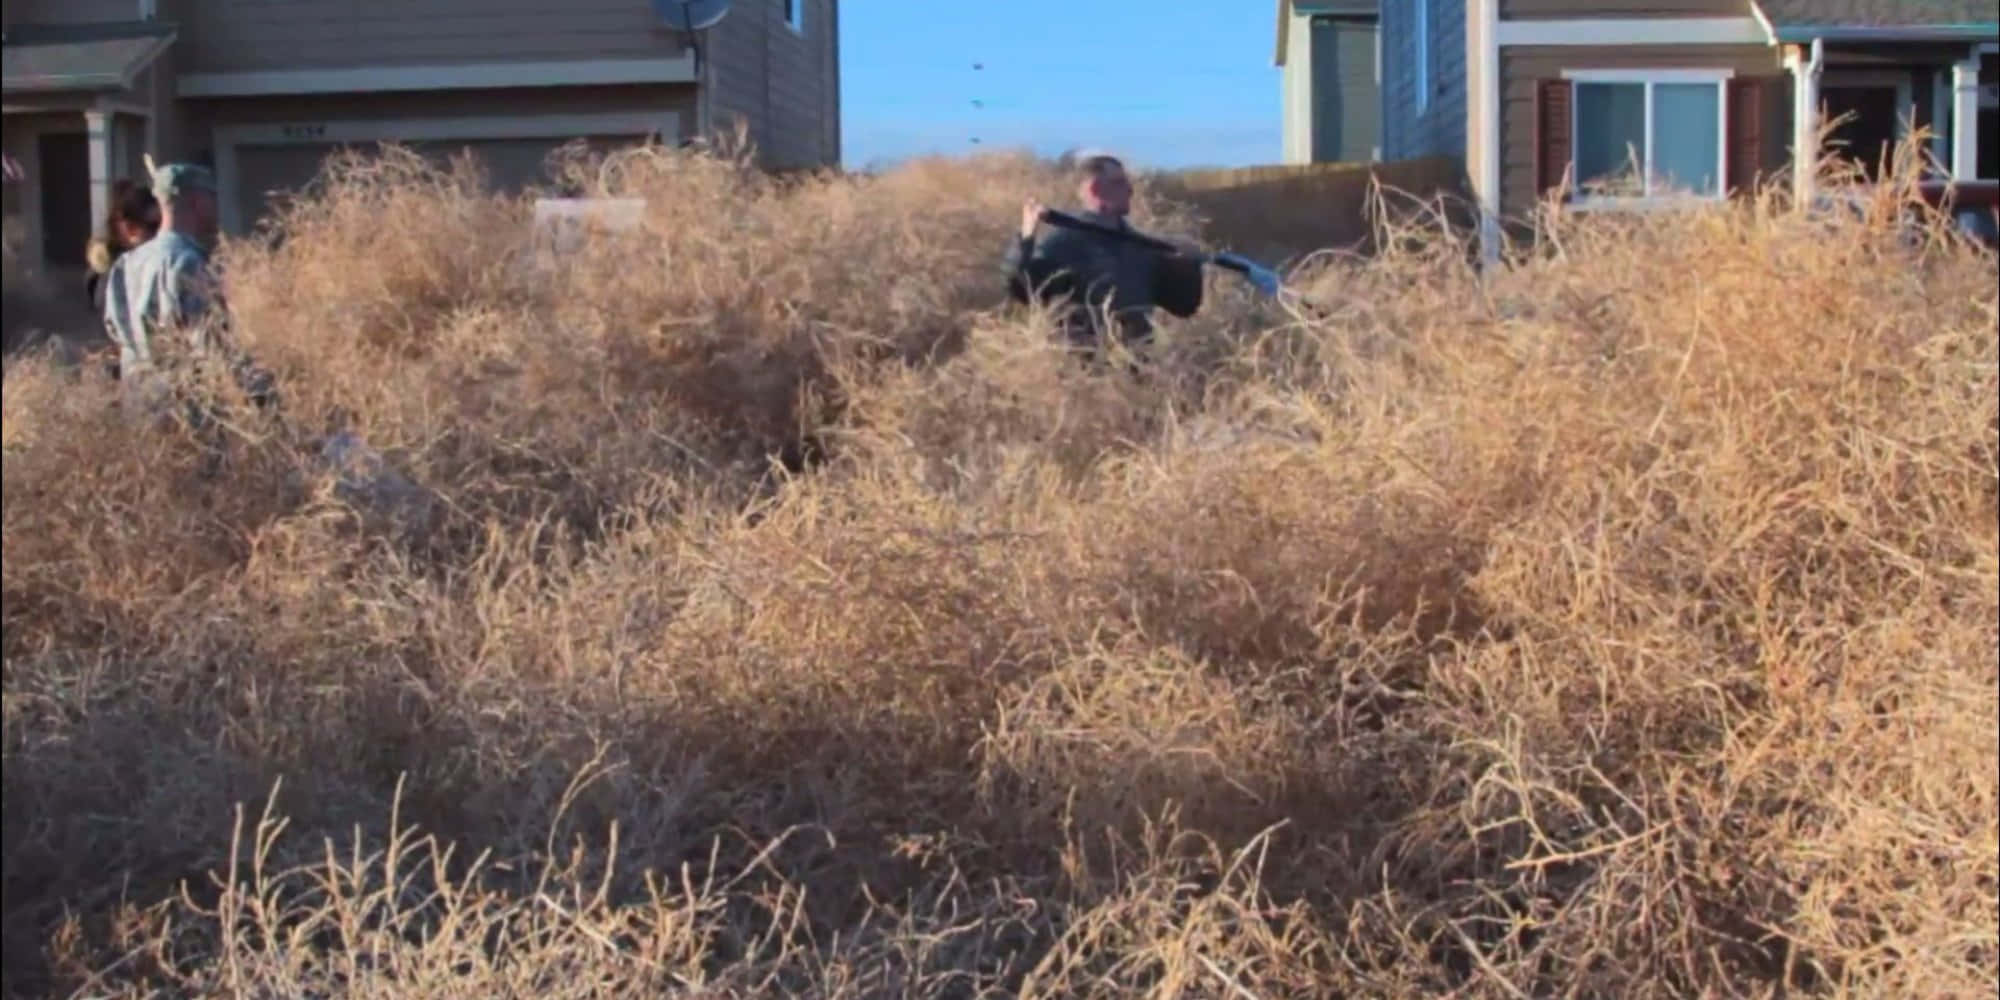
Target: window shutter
[1552, 134]
[1747, 99]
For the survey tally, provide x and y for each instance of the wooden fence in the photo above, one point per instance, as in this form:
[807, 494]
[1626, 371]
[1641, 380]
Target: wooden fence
[1278, 213]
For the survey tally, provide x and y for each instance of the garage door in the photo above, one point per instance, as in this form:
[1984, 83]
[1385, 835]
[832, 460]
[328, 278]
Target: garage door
[266, 175]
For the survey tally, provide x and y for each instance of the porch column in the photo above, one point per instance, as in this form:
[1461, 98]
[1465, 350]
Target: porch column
[1805, 120]
[1965, 118]
[97, 132]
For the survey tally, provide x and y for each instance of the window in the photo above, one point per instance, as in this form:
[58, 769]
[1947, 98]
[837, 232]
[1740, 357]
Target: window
[1648, 135]
[795, 15]
[1423, 56]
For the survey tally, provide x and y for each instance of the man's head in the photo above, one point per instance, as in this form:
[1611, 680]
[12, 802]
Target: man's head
[187, 199]
[1103, 186]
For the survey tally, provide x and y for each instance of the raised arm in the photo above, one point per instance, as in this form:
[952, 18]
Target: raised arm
[1037, 265]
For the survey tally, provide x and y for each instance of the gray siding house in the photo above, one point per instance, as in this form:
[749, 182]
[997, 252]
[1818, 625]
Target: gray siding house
[1704, 98]
[265, 91]
[1330, 63]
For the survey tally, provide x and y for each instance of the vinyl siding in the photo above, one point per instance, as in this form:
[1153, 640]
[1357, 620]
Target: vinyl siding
[1527, 10]
[1522, 66]
[1439, 129]
[1347, 102]
[243, 35]
[781, 84]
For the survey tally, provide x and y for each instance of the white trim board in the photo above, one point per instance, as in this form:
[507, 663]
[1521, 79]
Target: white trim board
[463, 76]
[1482, 120]
[1603, 31]
[230, 139]
[1649, 75]
[1295, 92]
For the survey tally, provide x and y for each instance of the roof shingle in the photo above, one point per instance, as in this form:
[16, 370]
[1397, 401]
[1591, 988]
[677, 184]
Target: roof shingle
[1799, 19]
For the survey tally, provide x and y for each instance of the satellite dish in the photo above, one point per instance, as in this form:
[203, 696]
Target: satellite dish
[690, 15]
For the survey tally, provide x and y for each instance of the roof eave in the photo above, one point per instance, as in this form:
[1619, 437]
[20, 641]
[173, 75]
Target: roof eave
[151, 55]
[96, 82]
[79, 83]
[1801, 34]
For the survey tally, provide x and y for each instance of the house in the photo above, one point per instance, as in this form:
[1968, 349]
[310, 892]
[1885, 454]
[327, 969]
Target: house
[1329, 60]
[1708, 96]
[263, 91]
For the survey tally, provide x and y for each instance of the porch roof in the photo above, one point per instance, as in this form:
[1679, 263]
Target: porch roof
[1793, 21]
[50, 59]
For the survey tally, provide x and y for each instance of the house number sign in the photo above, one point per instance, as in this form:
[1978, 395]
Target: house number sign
[306, 131]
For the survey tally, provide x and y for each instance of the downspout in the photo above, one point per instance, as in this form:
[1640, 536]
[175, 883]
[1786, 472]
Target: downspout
[1805, 121]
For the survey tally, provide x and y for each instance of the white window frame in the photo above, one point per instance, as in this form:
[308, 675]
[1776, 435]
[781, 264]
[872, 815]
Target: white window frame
[1423, 55]
[1649, 77]
[795, 15]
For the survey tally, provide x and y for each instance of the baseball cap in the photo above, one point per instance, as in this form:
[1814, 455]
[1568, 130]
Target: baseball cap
[174, 179]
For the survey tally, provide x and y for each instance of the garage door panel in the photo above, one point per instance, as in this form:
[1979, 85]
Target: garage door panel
[514, 165]
[267, 175]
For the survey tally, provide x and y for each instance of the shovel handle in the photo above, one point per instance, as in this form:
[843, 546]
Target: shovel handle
[1068, 221]
[1263, 277]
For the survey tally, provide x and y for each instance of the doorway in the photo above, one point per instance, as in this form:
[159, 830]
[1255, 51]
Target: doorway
[65, 183]
[1868, 136]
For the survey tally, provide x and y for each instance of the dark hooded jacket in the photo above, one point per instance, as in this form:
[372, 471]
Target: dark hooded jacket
[1091, 274]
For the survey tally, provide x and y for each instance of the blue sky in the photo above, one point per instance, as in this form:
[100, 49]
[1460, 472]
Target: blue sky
[1168, 84]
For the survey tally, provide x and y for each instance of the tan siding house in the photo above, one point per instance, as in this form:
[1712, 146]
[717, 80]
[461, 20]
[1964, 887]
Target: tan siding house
[264, 91]
[1677, 99]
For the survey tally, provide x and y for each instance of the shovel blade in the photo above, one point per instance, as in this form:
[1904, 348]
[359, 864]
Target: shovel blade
[1260, 277]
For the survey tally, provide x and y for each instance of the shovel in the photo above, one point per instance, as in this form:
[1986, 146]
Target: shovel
[1260, 277]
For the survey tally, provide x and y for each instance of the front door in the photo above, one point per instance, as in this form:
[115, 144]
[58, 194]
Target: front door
[1868, 135]
[65, 182]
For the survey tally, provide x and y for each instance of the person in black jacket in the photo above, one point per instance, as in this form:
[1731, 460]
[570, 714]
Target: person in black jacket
[1099, 278]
